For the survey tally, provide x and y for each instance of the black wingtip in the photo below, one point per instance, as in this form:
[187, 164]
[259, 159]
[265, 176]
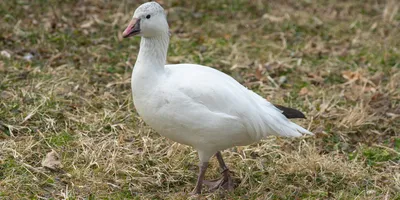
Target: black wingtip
[290, 113]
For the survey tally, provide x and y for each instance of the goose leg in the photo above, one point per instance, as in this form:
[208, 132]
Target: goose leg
[200, 179]
[225, 181]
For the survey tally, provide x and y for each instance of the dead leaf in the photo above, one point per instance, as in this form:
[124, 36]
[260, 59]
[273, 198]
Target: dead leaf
[351, 76]
[52, 161]
[315, 78]
[227, 36]
[259, 71]
[303, 91]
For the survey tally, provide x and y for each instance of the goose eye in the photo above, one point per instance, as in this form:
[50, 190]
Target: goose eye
[148, 17]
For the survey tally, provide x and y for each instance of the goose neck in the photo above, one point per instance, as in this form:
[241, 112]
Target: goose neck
[153, 52]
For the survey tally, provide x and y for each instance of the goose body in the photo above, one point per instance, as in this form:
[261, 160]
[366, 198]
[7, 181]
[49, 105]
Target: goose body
[193, 104]
[207, 109]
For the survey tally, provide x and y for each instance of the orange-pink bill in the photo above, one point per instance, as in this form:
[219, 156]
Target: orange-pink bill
[132, 29]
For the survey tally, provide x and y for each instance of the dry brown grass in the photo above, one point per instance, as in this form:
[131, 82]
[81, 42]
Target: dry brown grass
[338, 61]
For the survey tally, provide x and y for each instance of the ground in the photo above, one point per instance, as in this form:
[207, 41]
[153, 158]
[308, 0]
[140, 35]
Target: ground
[65, 87]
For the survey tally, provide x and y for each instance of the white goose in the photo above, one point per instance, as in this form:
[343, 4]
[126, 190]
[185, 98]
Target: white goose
[197, 105]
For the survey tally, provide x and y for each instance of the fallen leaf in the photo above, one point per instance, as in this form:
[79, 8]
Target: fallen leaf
[227, 36]
[315, 78]
[303, 91]
[351, 76]
[259, 71]
[52, 161]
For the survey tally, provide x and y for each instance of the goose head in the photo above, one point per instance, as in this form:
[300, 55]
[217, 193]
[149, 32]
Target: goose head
[148, 21]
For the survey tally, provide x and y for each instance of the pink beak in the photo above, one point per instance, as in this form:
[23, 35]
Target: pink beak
[132, 29]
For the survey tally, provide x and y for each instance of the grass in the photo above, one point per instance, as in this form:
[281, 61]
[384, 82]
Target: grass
[337, 61]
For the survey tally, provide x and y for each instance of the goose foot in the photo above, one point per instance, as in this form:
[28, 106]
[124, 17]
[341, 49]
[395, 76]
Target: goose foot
[224, 182]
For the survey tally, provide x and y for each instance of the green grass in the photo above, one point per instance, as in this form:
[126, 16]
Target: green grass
[375, 156]
[74, 97]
